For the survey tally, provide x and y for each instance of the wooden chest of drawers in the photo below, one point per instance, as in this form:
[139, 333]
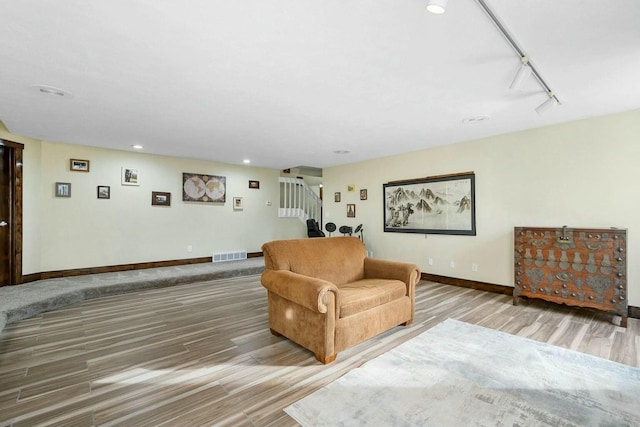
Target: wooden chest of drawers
[584, 267]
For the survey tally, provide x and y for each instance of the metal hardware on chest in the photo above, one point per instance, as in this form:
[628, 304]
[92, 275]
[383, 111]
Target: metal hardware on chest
[573, 266]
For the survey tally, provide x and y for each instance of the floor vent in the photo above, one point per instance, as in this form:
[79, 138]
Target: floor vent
[229, 256]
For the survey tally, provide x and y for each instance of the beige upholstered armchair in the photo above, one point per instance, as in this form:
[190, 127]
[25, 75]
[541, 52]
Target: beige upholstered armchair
[326, 295]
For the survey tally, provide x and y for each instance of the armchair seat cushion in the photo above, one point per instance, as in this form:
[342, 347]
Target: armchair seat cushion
[362, 295]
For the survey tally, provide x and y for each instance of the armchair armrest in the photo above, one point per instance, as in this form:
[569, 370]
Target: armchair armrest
[384, 269]
[306, 291]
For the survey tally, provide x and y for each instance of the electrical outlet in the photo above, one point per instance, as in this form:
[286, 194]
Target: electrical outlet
[189, 248]
[474, 267]
[430, 261]
[452, 264]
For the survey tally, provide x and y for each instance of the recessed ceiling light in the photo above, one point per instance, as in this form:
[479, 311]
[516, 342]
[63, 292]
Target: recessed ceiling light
[475, 119]
[53, 91]
[246, 161]
[437, 6]
[341, 151]
[137, 146]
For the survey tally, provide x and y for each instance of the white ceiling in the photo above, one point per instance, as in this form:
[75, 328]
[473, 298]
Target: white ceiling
[287, 82]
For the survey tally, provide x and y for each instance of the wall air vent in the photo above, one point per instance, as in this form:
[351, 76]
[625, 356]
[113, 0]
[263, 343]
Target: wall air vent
[229, 256]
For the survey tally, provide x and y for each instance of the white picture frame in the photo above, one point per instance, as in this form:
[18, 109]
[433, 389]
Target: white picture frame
[130, 176]
[238, 204]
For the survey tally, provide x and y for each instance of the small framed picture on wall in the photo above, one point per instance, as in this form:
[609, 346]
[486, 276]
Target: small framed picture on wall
[160, 198]
[363, 194]
[238, 204]
[351, 210]
[63, 189]
[104, 192]
[78, 165]
[336, 197]
[130, 176]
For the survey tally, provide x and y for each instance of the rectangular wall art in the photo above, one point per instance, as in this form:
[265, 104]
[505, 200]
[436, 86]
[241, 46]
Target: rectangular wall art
[160, 198]
[203, 188]
[238, 204]
[104, 192]
[78, 165]
[130, 176]
[63, 189]
[435, 205]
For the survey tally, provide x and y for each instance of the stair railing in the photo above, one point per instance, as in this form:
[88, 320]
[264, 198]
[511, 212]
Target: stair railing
[298, 200]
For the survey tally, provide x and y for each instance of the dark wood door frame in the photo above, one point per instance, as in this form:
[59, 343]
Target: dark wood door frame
[12, 180]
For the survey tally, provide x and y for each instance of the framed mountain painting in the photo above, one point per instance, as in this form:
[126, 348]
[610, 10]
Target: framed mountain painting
[442, 204]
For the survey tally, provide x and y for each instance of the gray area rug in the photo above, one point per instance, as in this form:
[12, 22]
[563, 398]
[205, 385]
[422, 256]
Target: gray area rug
[457, 374]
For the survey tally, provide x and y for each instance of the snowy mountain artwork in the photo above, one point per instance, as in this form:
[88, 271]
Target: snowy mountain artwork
[435, 205]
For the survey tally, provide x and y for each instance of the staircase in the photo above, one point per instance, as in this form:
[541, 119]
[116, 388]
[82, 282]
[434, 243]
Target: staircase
[298, 200]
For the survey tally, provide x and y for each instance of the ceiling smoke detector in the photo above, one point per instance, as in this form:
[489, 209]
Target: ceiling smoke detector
[475, 119]
[341, 151]
[53, 91]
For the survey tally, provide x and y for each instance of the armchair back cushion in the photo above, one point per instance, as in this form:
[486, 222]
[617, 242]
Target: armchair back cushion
[338, 260]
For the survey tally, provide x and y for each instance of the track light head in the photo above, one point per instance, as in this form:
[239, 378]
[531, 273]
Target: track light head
[523, 72]
[548, 104]
[437, 7]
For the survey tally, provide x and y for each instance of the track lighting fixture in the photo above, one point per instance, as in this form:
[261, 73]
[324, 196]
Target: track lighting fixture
[523, 72]
[437, 6]
[548, 104]
[527, 68]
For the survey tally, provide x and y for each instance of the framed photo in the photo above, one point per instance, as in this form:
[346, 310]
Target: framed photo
[78, 165]
[130, 176]
[363, 194]
[254, 184]
[442, 204]
[160, 198]
[336, 197]
[238, 204]
[63, 189]
[351, 210]
[204, 188]
[351, 187]
[104, 192]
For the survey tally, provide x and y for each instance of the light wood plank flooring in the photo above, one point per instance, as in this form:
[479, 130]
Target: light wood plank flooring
[202, 354]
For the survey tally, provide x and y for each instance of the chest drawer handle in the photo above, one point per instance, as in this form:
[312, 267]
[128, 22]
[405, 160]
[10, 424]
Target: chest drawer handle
[563, 277]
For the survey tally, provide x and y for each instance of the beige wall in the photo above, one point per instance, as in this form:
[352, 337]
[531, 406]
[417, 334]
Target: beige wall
[84, 231]
[583, 174]
[579, 174]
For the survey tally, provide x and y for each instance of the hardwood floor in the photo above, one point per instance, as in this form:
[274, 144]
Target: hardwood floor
[202, 354]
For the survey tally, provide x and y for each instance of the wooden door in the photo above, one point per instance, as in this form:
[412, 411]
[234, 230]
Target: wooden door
[10, 213]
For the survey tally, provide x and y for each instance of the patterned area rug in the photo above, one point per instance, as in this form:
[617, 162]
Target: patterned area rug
[457, 374]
